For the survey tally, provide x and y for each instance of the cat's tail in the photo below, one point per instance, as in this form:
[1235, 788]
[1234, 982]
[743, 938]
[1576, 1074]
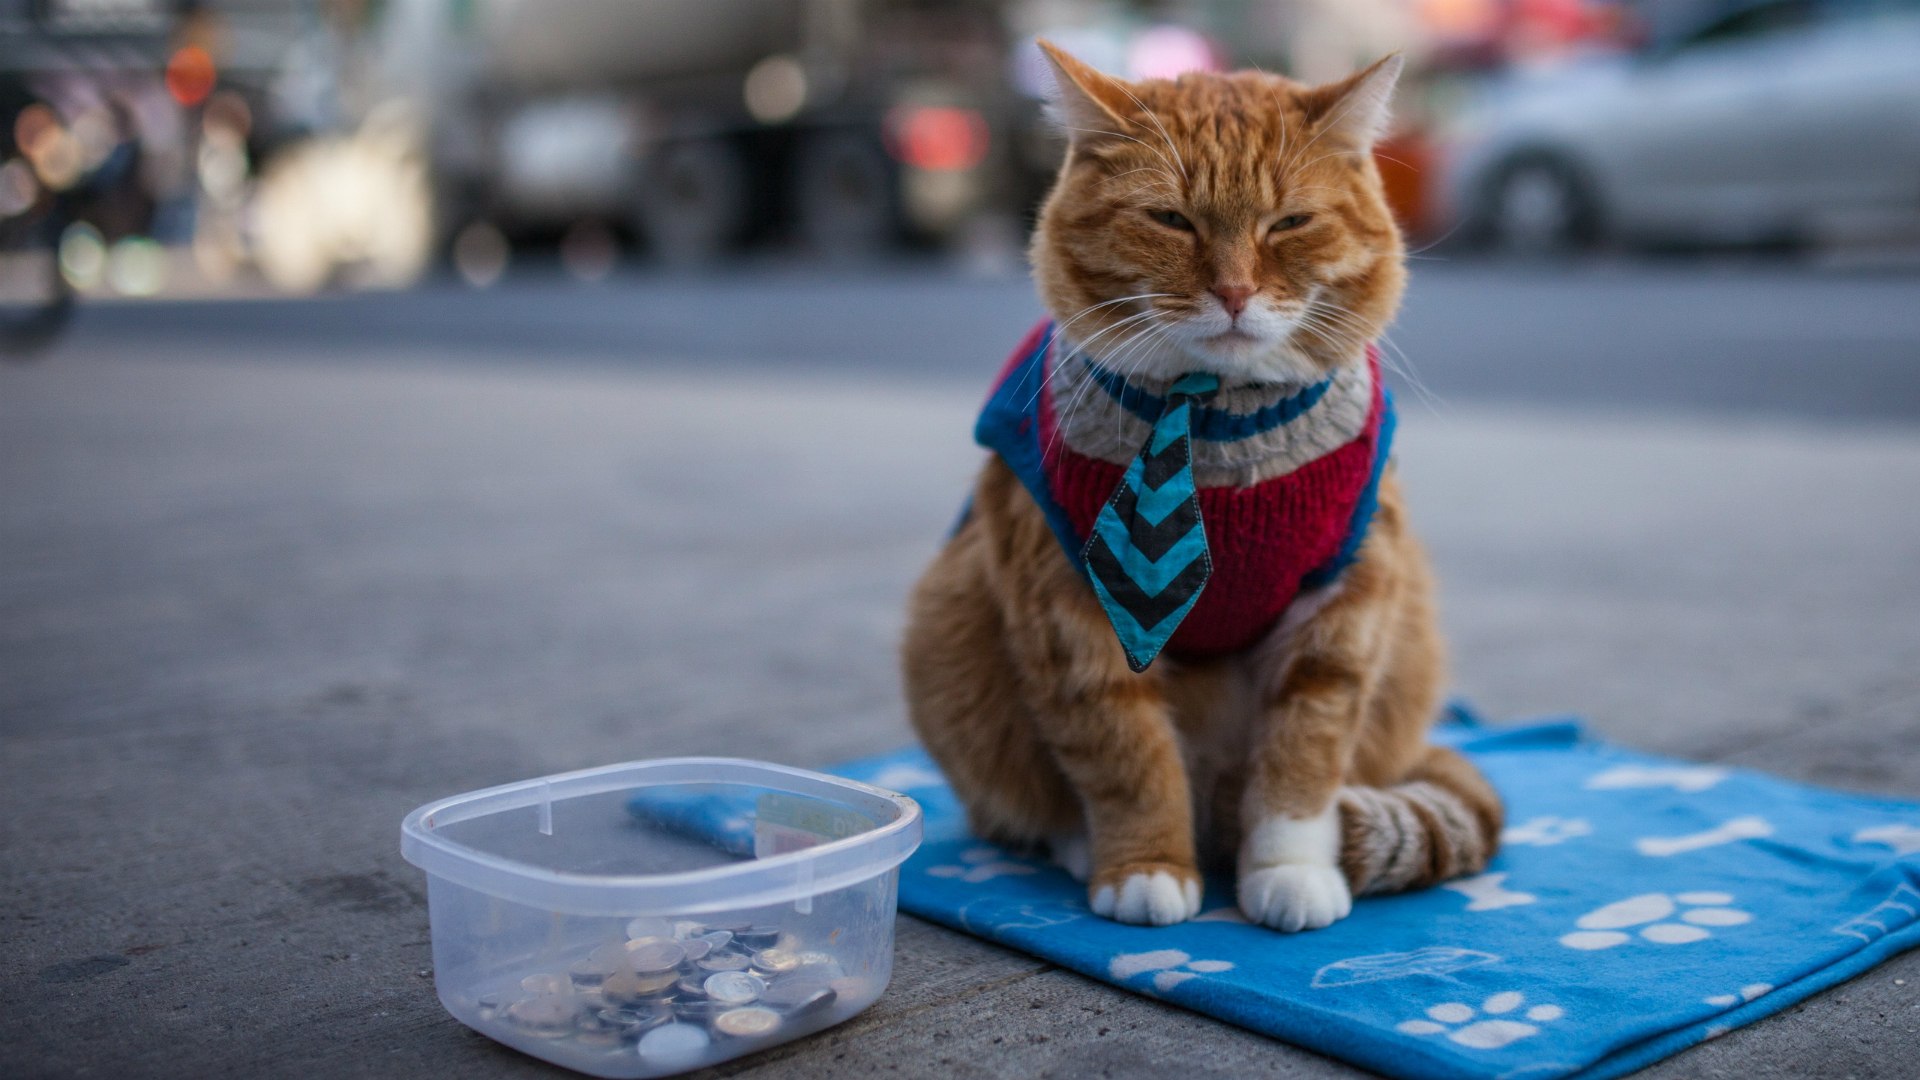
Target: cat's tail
[1443, 821]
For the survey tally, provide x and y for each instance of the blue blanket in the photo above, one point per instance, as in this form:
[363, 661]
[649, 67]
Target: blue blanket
[1640, 906]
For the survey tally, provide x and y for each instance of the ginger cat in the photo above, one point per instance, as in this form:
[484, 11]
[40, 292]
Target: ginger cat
[1220, 231]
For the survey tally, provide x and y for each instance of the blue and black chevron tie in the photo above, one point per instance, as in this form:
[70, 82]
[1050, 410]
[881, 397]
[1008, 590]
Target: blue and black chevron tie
[1147, 557]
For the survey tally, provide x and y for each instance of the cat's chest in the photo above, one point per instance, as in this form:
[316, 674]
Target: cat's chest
[1220, 705]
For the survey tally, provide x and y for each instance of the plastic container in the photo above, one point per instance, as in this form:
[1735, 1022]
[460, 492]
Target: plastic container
[583, 917]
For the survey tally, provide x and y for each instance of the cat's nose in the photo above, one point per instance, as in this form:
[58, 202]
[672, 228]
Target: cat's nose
[1233, 298]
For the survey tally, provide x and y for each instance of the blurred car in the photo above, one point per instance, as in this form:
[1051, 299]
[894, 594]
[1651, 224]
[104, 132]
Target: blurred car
[1770, 122]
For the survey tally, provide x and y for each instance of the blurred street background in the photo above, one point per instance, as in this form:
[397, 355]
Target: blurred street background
[405, 397]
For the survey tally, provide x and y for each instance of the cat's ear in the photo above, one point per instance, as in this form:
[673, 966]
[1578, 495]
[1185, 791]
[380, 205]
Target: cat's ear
[1355, 108]
[1086, 103]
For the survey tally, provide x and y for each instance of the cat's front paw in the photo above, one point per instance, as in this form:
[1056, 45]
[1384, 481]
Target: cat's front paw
[1146, 894]
[1295, 896]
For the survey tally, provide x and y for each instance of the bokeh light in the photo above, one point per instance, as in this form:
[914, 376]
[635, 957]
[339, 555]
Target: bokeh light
[18, 188]
[939, 138]
[137, 266]
[776, 89]
[480, 254]
[589, 251]
[190, 75]
[83, 255]
[1167, 52]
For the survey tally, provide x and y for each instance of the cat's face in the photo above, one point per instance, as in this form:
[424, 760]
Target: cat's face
[1242, 213]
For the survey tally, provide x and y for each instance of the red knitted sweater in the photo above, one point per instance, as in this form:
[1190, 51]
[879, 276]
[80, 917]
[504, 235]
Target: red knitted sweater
[1268, 540]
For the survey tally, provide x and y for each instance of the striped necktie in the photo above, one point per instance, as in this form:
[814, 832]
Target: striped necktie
[1147, 557]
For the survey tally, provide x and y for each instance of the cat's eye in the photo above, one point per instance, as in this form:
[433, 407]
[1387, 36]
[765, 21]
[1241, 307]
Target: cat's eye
[1172, 219]
[1291, 222]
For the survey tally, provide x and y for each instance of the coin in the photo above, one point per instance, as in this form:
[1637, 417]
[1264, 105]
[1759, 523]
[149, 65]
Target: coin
[548, 1015]
[757, 937]
[746, 1023]
[675, 1046]
[724, 962]
[655, 956]
[798, 995]
[695, 948]
[628, 987]
[718, 939]
[687, 928]
[648, 927]
[489, 1005]
[733, 987]
[586, 974]
[546, 983]
[775, 961]
[696, 1010]
[632, 1021]
[693, 986]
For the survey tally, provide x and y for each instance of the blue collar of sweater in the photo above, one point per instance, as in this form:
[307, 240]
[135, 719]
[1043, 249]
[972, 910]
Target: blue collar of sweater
[1209, 422]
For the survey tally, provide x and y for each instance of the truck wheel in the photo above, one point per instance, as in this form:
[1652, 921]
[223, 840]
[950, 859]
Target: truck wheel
[693, 201]
[846, 193]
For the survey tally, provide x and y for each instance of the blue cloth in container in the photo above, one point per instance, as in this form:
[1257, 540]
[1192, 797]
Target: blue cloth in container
[1639, 906]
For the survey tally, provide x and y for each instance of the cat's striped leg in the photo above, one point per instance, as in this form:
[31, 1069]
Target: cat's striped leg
[1112, 735]
[1320, 677]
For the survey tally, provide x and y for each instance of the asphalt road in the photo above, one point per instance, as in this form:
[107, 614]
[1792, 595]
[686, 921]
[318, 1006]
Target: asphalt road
[1753, 338]
[273, 574]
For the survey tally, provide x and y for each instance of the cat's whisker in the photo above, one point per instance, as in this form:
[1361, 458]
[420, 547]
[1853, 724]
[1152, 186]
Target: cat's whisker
[1130, 172]
[1159, 333]
[1151, 115]
[1081, 346]
[1403, 366]
[1087, 381]
[1082, 313]
[1099, 131]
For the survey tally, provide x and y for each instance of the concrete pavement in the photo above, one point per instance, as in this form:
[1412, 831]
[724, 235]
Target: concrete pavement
[254, 613]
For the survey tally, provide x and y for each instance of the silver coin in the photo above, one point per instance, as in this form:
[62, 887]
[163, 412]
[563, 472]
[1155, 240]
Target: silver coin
[629, 987]
[733, 987]
[654, 956]
[633, 1021]
[775, 961]
[724, 962]
[695, 1010]
[587, 975]
[690, 987]
[546, 983]
[747, 1023]
[649, 927]
[717, 939]
[686, 929]
[757, 937]
[548, 1015]
[695, 948]
[799, 995]
[675, 1046]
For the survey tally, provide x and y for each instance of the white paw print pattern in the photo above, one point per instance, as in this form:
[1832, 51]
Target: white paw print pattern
[981, 863]
[1451, 1018]
[1547, 831]
[1606, 927]
[1170, 967]
[1747, 993]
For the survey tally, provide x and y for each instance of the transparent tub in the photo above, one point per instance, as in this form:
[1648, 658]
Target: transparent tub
[658, 916]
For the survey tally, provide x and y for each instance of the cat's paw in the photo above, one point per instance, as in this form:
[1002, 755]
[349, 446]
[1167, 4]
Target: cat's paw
[1072, 853]
[1295, 896]
[1146, 894]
